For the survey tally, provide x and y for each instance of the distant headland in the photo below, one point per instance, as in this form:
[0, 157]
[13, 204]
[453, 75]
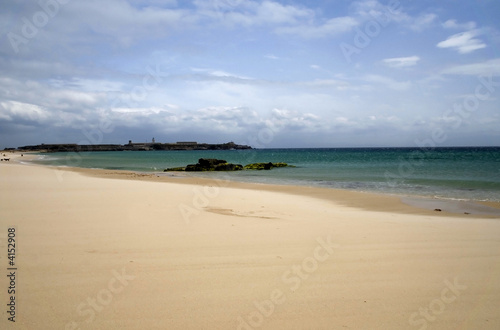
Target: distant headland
[131, 146]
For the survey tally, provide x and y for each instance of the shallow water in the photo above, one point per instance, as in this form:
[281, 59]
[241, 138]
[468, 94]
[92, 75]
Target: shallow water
[452, 173]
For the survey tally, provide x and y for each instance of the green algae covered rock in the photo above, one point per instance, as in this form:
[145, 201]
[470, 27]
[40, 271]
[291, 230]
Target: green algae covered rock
[208, 164]
[265, 166]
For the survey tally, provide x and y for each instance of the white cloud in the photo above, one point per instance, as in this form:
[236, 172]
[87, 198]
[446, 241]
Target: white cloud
[331, 27]
[276, 13]
[423, 22]
[464, 42]
[372, 9]
[283, 19]
[216, 120]
[294, 120]
[453, 24]
[251, 13]
[12, 110]
[90, 85]
[341, 120]
[219, 73]
[125, 23]
[491, 67]
[401, 62]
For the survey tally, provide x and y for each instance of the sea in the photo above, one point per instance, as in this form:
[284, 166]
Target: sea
[466, 173]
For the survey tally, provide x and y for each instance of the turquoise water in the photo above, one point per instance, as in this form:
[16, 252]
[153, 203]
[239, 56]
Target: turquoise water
[457, 173]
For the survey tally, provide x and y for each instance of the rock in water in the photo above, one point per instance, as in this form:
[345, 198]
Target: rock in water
[265, 166]
[228, 167]
[209, 164]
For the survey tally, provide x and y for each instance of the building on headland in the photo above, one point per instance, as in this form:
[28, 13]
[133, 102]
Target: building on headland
[137, 146]
[131, 146]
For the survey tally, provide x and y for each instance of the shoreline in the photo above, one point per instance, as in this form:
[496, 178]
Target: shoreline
[371, 201]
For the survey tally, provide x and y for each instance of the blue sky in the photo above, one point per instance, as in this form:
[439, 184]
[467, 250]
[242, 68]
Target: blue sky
[266, 73]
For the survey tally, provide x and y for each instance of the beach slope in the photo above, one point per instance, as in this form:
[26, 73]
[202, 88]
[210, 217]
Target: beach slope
[100, 253]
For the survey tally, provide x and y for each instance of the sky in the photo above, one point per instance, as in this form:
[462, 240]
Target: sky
[270, 74]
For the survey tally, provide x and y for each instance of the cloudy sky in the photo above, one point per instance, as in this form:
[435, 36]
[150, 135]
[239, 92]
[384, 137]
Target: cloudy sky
[277, 73]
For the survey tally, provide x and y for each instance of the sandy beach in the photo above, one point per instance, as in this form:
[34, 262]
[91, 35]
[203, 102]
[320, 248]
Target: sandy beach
[100, 249]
